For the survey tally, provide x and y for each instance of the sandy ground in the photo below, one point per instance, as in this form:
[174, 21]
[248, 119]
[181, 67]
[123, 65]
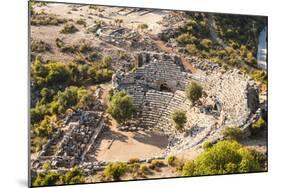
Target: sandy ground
[117, 145]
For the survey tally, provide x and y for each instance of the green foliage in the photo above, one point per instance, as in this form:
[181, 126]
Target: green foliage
[68, 29]
[37, 143]
[44, 128]
[206, 44]
[57, 74]
[73, 177]
[46, 166]
[207, 145]
[121, 107]
[179, 117]
[191, 49]
[115, 170]
[142, 26]
[233, 133]
[144, 169]
[171, 160]
[258, 126]
[38, 19]
[223, 158]
[186, 38]
[156, 164]
[260, 76]
[133, 160]
[39, 46]
[194, 91]
[81, 22]
[51, 178]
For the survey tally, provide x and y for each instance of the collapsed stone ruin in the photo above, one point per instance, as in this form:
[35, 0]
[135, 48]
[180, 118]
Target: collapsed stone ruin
[116, 35]
[157, 87]
[70, 145]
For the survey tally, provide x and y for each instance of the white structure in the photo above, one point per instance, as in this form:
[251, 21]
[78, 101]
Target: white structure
[262, 50]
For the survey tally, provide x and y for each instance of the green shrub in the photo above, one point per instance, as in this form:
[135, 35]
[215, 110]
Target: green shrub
[194, 91]
[51, 178]
[47, 165]
[258, 126]
[39, 46]
[223, 158]
[233, 133]
[73, 176]
[179, 118]
[133, 160]
[37, 143]
[206, 43]
[155, 164]
[186, 38]
[144, 169]
[171, 160]
[115, 170]
[121, 107]
[68, 29]
[142, 26]
[191, 49]
[259, 76]
[207, 145]
[81, 22]
[46, 19]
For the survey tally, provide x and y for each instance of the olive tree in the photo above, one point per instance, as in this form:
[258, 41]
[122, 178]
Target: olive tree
[194, 91]
[121, 107]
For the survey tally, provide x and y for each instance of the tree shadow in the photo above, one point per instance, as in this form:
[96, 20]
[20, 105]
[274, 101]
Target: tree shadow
[152, 138]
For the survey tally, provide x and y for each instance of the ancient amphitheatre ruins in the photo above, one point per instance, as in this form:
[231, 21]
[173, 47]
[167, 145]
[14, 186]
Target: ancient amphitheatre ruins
[91, 139]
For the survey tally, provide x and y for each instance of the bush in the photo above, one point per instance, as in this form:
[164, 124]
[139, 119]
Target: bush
[39, 46]
[142, 26]
[179, 117]
[223, 158]
[133, 160]
[258, 126]
[206, 43]
[186, 38]
[207, 145]
[121, 107]
[46, 166]
[233, 133]
[68, 29]
[171, 160]
[115, 170]
[144, 169]
[259, 76]
[191, 48]
[73, 177]
[155, 164]
[46, 19]
[51, 178]
[194, 91]
[81, 22]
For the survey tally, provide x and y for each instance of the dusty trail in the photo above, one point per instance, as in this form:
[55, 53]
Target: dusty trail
[162, 46]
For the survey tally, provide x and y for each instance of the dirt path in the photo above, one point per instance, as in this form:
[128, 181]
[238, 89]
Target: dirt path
[162, 46]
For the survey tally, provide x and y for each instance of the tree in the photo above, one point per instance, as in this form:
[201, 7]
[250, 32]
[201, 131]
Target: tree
[194, 91]
[222, 158]
[121, 107]
[179, 117]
